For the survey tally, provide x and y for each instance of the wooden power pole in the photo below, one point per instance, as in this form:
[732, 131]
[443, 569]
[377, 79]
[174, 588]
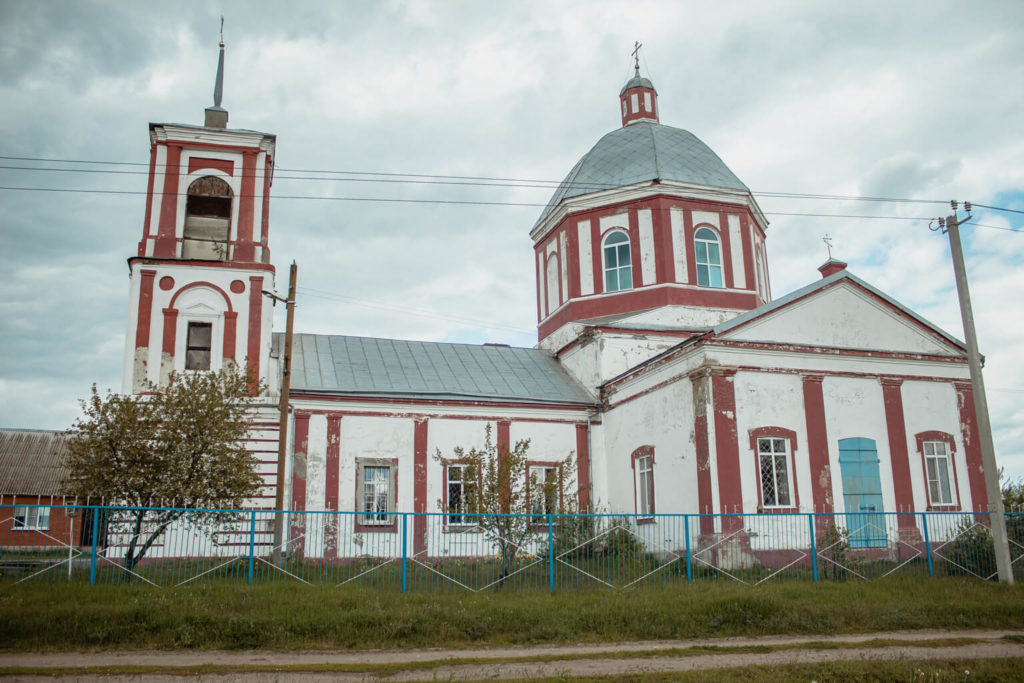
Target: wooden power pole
[282, 446]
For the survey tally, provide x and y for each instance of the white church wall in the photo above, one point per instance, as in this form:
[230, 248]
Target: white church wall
[854, 407]
[771, 400]
[549, 441]
[931, 406]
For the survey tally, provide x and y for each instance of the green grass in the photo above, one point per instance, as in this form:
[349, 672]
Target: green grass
[291, 616]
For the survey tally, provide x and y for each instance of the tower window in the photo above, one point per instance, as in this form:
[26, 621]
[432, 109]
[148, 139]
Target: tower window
[618, 271]
[207, 219]
[198, 346]
[709, 258]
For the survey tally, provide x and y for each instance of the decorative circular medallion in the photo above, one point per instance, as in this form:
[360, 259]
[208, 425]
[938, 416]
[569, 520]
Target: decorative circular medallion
[166, 283]
[237, 286]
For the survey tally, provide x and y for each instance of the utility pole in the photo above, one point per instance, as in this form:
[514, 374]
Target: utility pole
[997, 518]
[282, 446]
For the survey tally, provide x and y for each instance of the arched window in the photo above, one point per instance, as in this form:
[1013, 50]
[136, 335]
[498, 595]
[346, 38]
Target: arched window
[207, 219]
[709, 258]
[618, 271]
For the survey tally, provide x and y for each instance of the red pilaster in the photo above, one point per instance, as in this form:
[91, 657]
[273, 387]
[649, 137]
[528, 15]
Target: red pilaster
[727, 451]
[419, 486]
[664, 261]
[972, 446]
[252, 360]
[299, 455]
[504, 447]
[892, 396]
[723, 232]
[265, 222]
[147, 278]
[817, 444]
[596, 247]
[583, 465]
[149, 201]
[705, 504]
[170, 329]
[748, 253]
[245, 247]
[166, 240]
[230, 333]
[331, 481]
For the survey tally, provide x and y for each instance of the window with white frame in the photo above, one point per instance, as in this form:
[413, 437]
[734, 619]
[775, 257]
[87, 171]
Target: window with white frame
[29, 518]
[773, 463]
[709, 258]
[543, 486]
[618, 268]
[375, 491]
[198, 346]
[936, 463]
[643, 471]
[462, 487]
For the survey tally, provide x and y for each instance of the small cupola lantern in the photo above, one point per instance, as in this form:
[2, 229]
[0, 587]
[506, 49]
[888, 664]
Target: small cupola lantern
[638, 98]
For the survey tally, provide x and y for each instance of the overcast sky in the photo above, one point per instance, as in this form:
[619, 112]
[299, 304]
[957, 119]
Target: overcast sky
[920, 100]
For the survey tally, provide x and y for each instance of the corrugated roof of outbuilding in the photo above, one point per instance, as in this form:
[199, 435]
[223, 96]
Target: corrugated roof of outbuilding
[32, 462]
[396, 368]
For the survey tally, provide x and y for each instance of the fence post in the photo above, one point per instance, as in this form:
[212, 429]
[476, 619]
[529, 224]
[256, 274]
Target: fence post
[927, 543]
[405, 551]
[95, 533]
[686, 535]
[814, 549]
[252, 546]
[551, 554]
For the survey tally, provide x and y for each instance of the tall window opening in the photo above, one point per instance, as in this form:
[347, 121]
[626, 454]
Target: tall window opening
[618, 269]
[643, 479]
[773, 461]
[709, 258]
[936, 461]
[461, 483]
[544, 489]
[375, 493]
[198, 346]
[207, 219]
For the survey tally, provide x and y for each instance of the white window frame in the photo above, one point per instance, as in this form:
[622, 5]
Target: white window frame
[709, 267]
[31, 518]
[618, 248]
[775, 457]
[643, 484]
[457, 517]
[946, 462]
[376, 517]
[537, 481]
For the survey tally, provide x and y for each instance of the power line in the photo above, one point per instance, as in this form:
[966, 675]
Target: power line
[490, 181]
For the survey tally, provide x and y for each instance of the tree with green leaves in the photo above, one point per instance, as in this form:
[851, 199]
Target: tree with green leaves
[178, 447]
[496, 490]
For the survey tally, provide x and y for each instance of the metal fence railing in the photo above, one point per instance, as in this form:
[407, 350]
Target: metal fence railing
[443, 552]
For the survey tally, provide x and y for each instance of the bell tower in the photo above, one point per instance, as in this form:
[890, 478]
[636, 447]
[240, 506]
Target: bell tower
[202, 262]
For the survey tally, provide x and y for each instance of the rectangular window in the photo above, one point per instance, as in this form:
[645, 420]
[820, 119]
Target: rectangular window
[647, 102]
[644, 485]
[936, 460]
[198, 345]
[461, 490]
[635, 101]
[773, 459]
[375, 492]
[543, 485]
[31, 518]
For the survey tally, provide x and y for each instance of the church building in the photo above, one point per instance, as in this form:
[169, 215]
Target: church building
[663, 362]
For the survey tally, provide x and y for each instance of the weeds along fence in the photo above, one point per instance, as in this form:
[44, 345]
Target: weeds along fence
[465, 552]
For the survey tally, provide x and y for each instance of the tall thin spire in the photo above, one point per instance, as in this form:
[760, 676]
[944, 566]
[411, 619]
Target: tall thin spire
[217, 116]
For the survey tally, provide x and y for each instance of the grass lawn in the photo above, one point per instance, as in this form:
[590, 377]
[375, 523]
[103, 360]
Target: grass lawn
[292, 616]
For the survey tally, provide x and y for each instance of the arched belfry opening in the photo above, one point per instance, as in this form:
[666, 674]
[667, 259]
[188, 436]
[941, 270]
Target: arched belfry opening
[207, 219]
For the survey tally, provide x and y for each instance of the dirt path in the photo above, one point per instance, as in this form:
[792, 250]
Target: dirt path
[649, 658]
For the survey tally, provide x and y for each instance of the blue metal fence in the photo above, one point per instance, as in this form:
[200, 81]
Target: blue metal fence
[440, 552]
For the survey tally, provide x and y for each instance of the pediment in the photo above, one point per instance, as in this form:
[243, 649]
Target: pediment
[844, 313]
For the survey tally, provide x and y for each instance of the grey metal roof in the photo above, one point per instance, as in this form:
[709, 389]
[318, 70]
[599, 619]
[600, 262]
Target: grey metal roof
[821, 284]
[395, 368]
[642, 152]
[637, 82]
[32, 462]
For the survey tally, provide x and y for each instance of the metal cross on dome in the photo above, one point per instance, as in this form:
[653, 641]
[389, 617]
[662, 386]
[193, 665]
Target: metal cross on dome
[828, 243]
[636, 55]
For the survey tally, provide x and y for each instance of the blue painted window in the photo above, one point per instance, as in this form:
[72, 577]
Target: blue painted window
[862, 493]
[618, 268]
[709, 258]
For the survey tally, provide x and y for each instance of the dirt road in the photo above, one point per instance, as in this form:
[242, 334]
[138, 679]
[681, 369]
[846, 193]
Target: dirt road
[505, 662]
